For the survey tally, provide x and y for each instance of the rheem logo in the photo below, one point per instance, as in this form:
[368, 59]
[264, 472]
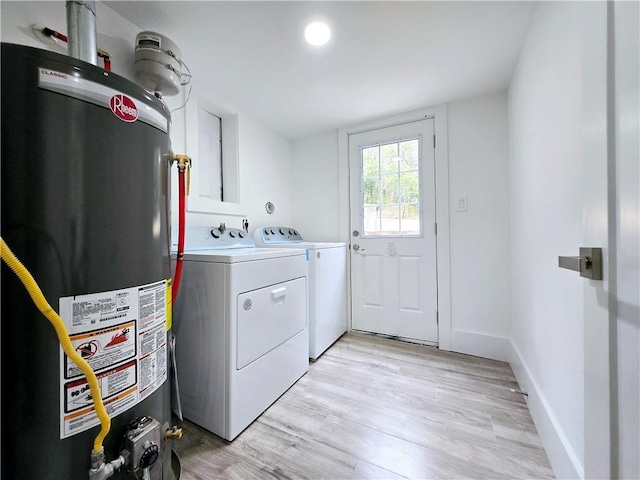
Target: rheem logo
[124, 108]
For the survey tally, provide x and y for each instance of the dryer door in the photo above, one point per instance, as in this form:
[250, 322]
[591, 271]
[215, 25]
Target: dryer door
[268, 317]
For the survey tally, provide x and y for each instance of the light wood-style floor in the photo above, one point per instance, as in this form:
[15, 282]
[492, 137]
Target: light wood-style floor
[376, 408]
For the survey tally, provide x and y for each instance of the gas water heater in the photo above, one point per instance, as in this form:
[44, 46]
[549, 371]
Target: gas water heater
[85, 207]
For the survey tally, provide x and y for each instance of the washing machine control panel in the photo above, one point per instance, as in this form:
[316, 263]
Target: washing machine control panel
[273, 235]
[216, 237]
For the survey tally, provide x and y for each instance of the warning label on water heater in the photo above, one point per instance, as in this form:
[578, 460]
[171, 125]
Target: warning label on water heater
[122, 335]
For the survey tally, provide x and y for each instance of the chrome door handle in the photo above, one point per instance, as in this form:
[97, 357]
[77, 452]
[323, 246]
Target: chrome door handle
[357, 248]
[589, 263]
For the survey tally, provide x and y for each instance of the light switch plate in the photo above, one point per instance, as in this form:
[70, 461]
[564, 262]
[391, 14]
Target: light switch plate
[462, 204]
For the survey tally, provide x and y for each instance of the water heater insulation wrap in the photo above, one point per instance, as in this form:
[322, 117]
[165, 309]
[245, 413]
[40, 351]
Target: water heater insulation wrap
[85, 206]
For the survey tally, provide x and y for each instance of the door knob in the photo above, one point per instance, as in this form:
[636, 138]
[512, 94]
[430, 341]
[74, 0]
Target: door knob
[357, 248]
[589, 263]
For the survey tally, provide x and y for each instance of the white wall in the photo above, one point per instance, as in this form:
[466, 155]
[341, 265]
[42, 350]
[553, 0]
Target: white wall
[479, 237]
[265, 174]
[264, 156]
[545, 176]
[316, 196]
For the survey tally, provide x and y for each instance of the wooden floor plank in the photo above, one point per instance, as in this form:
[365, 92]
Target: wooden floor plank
[377, 408]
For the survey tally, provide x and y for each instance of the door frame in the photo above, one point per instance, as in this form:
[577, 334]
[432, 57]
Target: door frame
[443, 263]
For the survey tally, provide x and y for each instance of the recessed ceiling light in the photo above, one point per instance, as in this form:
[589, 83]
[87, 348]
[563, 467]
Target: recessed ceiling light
[317, 33]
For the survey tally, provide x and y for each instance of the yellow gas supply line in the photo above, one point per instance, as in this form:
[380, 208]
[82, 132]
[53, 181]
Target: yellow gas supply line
[63, 337]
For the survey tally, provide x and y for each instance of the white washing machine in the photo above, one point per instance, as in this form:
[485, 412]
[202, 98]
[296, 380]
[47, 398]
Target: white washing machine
[327, 284]
[241, 327]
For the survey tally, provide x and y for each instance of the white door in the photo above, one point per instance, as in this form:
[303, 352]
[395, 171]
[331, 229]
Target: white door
[611, 207]
[393, 234]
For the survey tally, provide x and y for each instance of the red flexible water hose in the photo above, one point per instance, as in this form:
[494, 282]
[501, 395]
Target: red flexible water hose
[182, 214]
[52, 33]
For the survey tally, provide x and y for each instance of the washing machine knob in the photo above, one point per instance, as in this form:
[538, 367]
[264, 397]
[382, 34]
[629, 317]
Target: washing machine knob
[290, 232]
[232, 234]
[266, 232]
[272, 232]
[282, 231]
[241, 234]
[215, 233]
[295, 232]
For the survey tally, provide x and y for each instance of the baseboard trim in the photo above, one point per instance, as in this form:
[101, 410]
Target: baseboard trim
[562, 457]
[480, 345]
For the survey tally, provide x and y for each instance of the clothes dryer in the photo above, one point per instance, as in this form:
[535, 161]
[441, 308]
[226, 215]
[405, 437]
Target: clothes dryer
[327, 284]
[241, 327]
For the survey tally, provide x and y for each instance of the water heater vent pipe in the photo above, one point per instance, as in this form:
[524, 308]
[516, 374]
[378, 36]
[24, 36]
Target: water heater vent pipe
[81, 28]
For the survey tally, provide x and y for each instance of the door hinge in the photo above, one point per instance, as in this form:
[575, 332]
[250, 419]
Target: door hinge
[434, 141]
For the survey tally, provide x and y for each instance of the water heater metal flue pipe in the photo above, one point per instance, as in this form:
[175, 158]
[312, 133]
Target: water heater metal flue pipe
[81, 25]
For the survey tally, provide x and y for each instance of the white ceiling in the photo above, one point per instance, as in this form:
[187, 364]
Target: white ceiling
[383, 57]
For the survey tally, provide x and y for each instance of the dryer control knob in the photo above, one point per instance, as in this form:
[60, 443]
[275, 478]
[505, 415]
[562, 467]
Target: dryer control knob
[290, 232]
[295, 232]
[215, 233]
[272, 232]
[282, 231]
[232, 234]
[241, 234]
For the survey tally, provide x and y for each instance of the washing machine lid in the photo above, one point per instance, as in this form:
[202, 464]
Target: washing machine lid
[236, 255]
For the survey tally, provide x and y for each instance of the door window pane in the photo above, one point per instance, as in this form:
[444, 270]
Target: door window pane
[409, 187]
[390, 220]
[410, 218]
[370, 161]
[371, 190]
[371, 219]
[409, 155]
[391, 188]
[389, 158]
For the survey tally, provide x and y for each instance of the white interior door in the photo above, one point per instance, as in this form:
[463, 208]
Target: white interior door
[610, 217]
[393, 231]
